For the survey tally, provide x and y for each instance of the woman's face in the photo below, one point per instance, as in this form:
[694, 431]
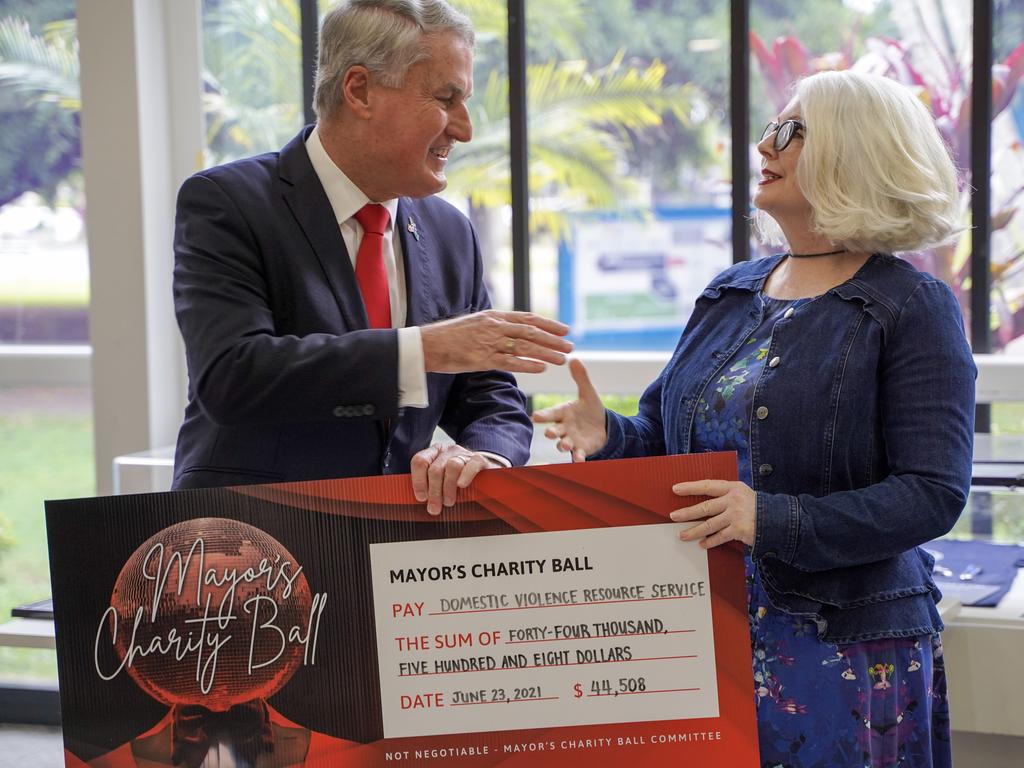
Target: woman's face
[778, 193]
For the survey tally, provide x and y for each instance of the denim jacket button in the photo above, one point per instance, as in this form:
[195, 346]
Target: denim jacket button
[774, 361]
[788, 313]
[764, 470]
[762, 412]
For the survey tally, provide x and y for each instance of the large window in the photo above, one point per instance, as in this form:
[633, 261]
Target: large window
[45, 430]
[629, 160]
[44, 266]
[629, 153]
[628, 164]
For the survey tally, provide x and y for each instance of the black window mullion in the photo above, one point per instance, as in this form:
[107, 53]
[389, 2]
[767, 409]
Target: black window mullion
[739, 116]
[519, 155]
[981, 178]
[309, 22]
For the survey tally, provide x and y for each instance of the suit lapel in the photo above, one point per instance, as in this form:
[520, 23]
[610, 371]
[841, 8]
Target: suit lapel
[308, 203]
[414, 239]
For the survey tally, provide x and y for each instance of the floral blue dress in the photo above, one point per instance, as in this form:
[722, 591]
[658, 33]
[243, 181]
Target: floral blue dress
[873, 704]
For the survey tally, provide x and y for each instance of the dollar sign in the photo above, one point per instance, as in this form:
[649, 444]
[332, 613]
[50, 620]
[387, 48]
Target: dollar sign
[577, 691]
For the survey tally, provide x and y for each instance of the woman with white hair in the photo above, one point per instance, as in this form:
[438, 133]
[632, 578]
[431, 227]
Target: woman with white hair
[842, 378]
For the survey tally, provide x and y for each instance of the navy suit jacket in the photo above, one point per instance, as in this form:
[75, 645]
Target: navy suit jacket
[286, 381]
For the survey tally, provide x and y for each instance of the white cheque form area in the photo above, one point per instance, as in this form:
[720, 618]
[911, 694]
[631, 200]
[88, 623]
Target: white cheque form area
[536, 630]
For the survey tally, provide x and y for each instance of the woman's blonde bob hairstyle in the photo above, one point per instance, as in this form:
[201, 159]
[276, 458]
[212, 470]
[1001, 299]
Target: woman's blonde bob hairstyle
[873, 167]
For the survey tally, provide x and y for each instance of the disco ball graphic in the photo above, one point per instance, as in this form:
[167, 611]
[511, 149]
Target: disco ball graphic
[172, 673]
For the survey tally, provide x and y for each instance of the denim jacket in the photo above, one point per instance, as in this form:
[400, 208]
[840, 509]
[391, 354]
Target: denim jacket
[865, 451]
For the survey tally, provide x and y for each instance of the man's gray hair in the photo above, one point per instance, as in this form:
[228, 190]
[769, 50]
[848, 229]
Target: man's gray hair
[385, 36]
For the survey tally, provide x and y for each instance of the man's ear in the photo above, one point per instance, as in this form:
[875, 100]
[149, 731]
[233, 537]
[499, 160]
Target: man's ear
[356, 90]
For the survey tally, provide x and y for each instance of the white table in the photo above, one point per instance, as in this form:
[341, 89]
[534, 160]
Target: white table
[27, 633]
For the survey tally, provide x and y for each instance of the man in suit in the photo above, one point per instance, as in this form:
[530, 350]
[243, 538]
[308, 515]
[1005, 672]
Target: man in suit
[333, 310]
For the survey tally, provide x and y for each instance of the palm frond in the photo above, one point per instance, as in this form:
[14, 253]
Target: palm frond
[580, 126]
[264, 48]
[45, 68]
[245, 128]
[624, 96]
[490, 19]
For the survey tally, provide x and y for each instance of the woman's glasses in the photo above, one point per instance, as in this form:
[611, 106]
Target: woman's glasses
[784, 133]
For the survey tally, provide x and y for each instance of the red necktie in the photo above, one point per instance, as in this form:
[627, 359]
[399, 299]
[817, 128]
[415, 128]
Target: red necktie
[370, 270]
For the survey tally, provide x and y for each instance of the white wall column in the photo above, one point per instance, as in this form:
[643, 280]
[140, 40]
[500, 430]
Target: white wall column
[142, 133]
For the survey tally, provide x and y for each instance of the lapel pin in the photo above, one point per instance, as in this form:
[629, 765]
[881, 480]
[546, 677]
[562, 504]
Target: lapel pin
[413, 230]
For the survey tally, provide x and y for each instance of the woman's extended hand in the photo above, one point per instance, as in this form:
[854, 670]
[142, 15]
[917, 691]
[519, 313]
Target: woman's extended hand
[729, 515]
[578, 426]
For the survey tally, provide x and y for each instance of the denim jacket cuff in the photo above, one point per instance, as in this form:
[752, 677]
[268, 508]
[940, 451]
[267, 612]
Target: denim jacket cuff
[778, 527]
[614, 446]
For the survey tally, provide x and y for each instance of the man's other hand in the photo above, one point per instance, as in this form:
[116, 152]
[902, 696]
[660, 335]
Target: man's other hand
[440, 470]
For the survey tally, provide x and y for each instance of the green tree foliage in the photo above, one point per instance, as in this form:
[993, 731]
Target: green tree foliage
[591, 107]
[691, 37]
[832, 26]
[580, 125]
[39, 100]
[252, 78]
[643, 33]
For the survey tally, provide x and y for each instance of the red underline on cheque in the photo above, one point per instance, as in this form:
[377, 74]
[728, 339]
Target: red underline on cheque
[560, 605]
[548, 666]
[637, 693]
[505, 701]
[603, 637]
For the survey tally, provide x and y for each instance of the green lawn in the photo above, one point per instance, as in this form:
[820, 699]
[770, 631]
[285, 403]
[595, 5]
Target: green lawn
[1008, 419]
[42, 456]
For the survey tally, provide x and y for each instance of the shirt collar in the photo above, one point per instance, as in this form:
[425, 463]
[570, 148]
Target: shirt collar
[345, 197]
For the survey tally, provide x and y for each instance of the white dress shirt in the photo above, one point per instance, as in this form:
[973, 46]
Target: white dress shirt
[346, 200]
[222, 755]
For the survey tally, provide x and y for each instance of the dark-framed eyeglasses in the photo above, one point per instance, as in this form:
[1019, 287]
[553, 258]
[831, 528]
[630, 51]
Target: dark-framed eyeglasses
[784, 133]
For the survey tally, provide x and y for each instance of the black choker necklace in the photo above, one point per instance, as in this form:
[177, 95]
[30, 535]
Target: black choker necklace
[812, 255]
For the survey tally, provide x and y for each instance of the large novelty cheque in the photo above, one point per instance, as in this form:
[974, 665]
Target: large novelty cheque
[552, 617]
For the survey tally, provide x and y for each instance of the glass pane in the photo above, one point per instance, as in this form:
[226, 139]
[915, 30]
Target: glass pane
[45, 434]
[1008, 180]
[629, 164]
[926, 46]
[252, 81]
[479, 181]
[44, 263]
[46, 452]
[1008, 198]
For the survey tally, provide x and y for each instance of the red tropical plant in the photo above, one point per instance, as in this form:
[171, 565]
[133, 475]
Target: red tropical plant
[947, 92]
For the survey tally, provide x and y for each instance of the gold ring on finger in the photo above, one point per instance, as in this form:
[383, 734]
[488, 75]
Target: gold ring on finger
[510, 344]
